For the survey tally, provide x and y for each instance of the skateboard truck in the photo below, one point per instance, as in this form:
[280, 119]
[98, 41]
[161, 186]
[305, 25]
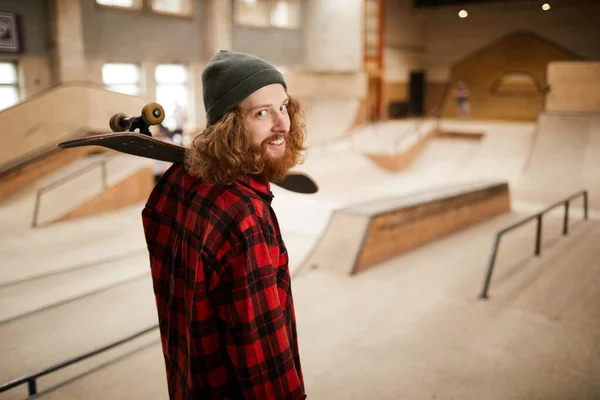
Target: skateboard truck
[152, 114]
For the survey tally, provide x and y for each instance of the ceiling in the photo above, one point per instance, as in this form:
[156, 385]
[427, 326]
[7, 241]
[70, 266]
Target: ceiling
[437, 3]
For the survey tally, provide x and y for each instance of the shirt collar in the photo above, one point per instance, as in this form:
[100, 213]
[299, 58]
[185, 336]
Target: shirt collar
[261, 187]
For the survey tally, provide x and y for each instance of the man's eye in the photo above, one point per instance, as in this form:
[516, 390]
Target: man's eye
[261, 113]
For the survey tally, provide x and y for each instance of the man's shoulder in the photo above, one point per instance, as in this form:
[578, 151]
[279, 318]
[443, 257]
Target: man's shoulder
[230, 210]
[230, 197]
[234, 199]
[238, 201]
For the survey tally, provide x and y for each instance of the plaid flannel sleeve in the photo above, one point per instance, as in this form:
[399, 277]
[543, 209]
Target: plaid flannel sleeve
[258, 337]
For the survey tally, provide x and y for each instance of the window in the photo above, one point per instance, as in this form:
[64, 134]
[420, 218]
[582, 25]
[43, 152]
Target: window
[9, 85]
[117, 3]
[122, 78]
[280, 16]
[172, 93]
[181, 7]
[175, 7]
[267, 13]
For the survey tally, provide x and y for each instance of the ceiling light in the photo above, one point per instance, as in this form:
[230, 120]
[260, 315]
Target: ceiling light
[463, 14]
[545, 6]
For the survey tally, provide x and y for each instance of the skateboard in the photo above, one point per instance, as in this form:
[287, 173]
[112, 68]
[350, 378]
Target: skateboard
[124, 139]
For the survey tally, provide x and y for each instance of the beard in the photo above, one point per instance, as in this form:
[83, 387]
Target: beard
[276, 168]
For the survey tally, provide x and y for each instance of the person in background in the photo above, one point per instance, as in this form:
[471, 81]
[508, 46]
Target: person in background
[461, 96]
[158, 167]
[180, 117]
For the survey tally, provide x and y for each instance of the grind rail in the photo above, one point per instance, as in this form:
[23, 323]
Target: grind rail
[538, 242]
[90, 167]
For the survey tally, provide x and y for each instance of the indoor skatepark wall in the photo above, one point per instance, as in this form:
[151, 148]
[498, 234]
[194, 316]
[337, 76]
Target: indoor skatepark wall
[418, 38]
[403, 49]
[511, 89]
[34, 62]
[69, 109]
[358, 237]
[333, 40]
[574, 86]
[330, 80]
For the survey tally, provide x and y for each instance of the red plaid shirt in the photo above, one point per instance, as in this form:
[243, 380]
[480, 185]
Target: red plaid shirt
[222, 289]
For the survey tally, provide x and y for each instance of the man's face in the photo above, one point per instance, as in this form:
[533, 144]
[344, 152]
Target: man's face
[267, 120]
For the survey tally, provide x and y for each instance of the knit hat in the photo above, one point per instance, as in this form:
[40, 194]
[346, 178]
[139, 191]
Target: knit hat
[232, 76]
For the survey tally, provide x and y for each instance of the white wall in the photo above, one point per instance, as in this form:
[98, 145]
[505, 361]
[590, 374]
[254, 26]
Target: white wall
[35, 75]
[137, 36]
[333, 40]
[403, 40]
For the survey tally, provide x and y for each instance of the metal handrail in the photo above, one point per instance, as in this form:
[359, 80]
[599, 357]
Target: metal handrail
[435, 113]
[538, 216]
[68, 178]
[31, 378]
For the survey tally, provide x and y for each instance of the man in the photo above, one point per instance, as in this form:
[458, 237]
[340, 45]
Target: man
[219, 265]
[180, 118]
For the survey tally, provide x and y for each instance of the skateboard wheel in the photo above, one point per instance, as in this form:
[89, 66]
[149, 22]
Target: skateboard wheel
[153, 114]
[118, 123]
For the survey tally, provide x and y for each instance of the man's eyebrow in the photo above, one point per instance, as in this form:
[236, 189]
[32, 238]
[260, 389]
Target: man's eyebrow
[260, 106]
[268, 105]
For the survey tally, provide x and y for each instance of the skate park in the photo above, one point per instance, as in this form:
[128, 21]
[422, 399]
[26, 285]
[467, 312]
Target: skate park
[389, 258]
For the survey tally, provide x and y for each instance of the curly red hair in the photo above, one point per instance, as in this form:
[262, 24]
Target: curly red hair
[223, 151]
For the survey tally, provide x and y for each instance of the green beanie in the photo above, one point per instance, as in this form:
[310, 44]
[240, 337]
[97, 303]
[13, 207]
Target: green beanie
[230, 77]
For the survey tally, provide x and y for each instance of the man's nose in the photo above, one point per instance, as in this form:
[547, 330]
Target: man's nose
[281, 122]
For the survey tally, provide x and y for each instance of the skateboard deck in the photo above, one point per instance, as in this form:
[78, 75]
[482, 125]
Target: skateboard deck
[298, 182]
[144, 145]
[137, 144]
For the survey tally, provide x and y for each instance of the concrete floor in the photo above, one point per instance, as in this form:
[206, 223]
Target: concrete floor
[413, 328]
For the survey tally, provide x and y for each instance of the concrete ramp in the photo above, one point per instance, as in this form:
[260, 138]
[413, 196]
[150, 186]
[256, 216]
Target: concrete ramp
[34, 126]
[565, 158]
[46, 118]
[361, 236]
[132, 190]
[89, 187]
[328, 119]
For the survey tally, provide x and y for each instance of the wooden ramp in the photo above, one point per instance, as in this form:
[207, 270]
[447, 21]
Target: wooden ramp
[361, 236]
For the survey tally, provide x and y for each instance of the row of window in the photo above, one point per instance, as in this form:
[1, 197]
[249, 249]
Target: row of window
[172, 85]
[181, 7]
[255, 13]
[267, 13]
